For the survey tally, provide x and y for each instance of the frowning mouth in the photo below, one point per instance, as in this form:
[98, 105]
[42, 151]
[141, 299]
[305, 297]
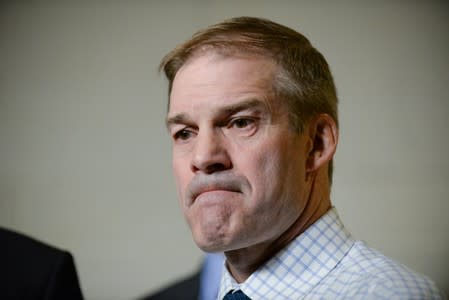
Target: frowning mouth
[217, 185]
[214, 190]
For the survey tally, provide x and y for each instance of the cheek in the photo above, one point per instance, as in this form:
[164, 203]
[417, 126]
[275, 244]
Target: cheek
[268, 168]
[182, 175]
[275, 173]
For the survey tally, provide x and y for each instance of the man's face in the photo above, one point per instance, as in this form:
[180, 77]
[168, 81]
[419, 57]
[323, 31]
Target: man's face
[238, 165]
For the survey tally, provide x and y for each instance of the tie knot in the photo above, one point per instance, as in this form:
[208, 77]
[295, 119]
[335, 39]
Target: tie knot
[237, 295]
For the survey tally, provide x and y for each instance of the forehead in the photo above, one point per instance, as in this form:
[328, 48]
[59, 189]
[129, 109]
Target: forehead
[214, 77]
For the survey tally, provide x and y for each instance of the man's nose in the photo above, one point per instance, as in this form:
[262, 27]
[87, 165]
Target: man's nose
[210, 154]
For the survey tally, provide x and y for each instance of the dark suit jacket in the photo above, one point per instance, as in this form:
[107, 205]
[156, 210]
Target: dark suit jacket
[185, 289]
[31, 270]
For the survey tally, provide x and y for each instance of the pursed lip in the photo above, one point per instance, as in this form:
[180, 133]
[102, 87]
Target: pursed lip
[218, 182]
[213, 189]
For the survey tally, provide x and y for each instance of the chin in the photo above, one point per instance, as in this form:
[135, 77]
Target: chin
[210, 235]
[209, 245]
[210, 241]
[211, 248]
[218, 244]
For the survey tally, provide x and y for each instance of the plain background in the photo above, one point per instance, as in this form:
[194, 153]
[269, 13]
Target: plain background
[85, 157]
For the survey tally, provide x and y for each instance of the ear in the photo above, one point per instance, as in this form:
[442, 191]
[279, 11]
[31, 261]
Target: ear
[323, 134]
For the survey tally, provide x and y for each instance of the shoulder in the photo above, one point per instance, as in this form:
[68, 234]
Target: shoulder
[18, 244]
[22, 252]
[366, 273]
[31, 268]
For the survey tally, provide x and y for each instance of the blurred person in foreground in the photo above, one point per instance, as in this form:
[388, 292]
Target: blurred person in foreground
[253, 118]
[32, 270]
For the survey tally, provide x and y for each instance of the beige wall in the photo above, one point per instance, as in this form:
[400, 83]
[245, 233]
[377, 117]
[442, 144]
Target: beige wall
[85, 160]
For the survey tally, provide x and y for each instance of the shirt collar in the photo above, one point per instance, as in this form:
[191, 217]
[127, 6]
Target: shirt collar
[297, 268]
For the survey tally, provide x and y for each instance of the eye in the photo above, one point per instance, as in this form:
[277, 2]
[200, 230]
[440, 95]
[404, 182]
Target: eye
[183, 135]
[242, 123]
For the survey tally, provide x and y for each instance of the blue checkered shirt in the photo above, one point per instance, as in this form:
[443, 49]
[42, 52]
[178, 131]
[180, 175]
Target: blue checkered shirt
[324, 262]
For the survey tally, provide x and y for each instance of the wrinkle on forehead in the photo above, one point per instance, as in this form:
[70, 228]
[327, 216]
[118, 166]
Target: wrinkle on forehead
[194, 77]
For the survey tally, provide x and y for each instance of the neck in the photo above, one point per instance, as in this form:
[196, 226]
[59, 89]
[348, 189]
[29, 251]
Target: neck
[241, 263]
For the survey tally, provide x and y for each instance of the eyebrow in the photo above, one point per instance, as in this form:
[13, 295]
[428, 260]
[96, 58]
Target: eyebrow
[231, 109]
[177, 119]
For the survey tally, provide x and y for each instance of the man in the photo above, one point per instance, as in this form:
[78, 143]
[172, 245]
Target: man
[253, 118]
[31, 270]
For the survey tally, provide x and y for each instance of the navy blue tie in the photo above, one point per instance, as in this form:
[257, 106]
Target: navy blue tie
[239, 295]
